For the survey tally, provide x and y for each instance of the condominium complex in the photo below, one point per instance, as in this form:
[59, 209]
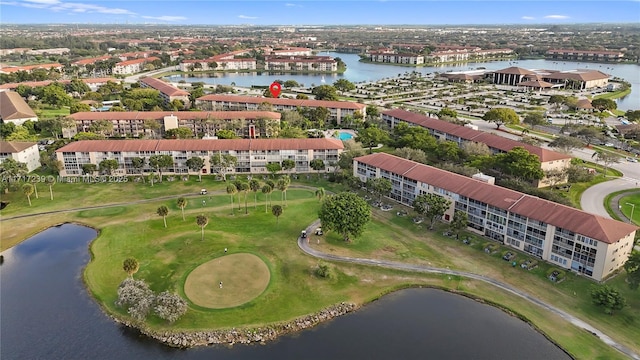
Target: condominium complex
[21, 151]
[168, 92]
[569, 238]
[394, 58]
[337, 109]
[443, 130]
[300, 63]
[201, 123]
[252, 155]
[576, 79]
[584, 55]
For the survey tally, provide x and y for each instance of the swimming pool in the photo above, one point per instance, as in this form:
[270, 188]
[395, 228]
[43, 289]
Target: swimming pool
[345, 136]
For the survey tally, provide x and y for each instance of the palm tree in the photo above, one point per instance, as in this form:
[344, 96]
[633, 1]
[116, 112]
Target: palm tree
[163, 211]
[266, 190]
[276, 210]
[202, 221]
[320, 193]
[232, 190]
[27, 189]
[51, 181]
[35, 181]
[283, 185]
[238, 184]
[130, 266]
[182, 203]
[244, 187]
[255, 186]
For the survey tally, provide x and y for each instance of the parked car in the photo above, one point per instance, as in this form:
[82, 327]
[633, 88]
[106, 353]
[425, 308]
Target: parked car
[630, 159]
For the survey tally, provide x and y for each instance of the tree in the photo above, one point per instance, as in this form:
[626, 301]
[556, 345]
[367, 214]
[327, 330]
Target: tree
[136, 296]
[254, 185]
[232, 190]
[290, 84]
[288, 164]
[226, 134]
[54, 94]
[325, 92]
[196, 164]
[152, 125]
[221, 163]
[380, 186]
[458, 223]
[520, 164]
[320, 193]
[317, 164]
[89, 169]
[179, 133]
[371, 136]
[130, 266]
[169, 306]
[566, 144]
[633, 115]
[163, 211]
[557, 100]
[276, 210]
[273, 168]
[10, 169]
[160, 162]
[244, 187]
[78, 107]
[590, 134]
[632, 267]
[182, 203]
[108, 166]
[373, 114]
[27, 189]
[6, 129]
[283, 185]
[50, 181]
[446, 112]
[604, 104]
[202, 221]
[555, 176]
[432, 206]
[534, 119]
[501, 116]
[344, 85]
[266, 190]
[448, 150]
[607, 297]
[606, 158]
[138, 164]
[101, 127]
[347, 213]
[35, 181]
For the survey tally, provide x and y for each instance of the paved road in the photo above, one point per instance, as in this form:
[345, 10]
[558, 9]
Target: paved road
[304, 246]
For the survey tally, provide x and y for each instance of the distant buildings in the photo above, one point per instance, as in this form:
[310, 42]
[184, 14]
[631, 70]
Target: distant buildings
[576, 79]
[394, 58]
[584, 55]
[300, 63]
[443, 130]
[337, 109]
[93, 83]
[167, 91]
[132, 66]
[441, 55]
[252, 154]
[13, 108]
[29, 68]
[20, 151]
[236, 60]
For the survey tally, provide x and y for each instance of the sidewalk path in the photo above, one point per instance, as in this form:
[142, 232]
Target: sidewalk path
[434, 270]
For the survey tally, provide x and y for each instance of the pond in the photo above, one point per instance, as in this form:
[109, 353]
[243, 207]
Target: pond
[47, 313]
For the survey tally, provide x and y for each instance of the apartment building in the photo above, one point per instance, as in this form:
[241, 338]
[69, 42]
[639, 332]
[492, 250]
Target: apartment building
[30, 68]
[337, 109]
[300, 63]
[236, 60]
[13, 109]
[245, 124]
[577, 79]
[132, 66]
[443, 130]
[168, 92]
[568, 238]
[394, 58]
[252, 154]
[584, 55]
[289, 51]
[21, 151]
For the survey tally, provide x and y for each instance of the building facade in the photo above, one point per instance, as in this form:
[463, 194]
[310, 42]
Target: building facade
[394, 58]
[575, 79]
[252, 155]
[337, 109]
[300, 63]
[132, 66]
[245, 124]
[443, 130]
[20, 151]
[569, 238]
[584, 55]
[168, 92]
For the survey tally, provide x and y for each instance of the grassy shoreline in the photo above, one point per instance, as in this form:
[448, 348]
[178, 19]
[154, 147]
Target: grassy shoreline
[136, 230]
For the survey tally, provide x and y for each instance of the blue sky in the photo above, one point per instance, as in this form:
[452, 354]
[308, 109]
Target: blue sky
[328, 12]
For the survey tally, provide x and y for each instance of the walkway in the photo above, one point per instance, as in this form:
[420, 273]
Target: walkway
[304, 246]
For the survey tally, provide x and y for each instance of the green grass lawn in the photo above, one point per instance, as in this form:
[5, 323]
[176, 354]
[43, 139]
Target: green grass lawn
[50, 112]
[631, 203]
[168, 255]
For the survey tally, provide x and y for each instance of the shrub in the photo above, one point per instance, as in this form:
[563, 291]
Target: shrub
[324, 270]
[169, 306]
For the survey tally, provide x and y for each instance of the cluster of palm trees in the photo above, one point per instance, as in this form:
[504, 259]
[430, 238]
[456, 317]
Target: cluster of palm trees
[239, 186]
[201, 220]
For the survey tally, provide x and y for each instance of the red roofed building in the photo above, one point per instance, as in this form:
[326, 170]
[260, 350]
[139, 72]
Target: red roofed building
[132, 66]
[585, 55]
[300, 63]
[337, 109]
[167, 91]
[569, 238]
[252, 154]
[245, 124]
[443, 130]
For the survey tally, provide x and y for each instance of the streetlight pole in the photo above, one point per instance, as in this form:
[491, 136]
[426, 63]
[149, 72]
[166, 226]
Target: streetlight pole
[633, 207]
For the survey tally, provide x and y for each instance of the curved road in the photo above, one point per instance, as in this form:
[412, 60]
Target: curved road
[304, 246]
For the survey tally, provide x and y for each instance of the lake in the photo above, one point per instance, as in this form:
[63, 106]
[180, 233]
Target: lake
[364, 72]
[48, 314]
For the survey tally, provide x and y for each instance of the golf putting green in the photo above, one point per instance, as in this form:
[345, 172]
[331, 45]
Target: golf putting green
[243, 276]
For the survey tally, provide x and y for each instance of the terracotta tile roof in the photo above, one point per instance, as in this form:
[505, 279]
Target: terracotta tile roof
[584, 104]
[514, 70]
[468, 134]
[580, 75]
[13, 106]
[182, 115]
[284, 102]
[91, 60]
[163, 87]
[10, 147]
[578, 221]
[137, 61]
[47, 82]
[201, 145]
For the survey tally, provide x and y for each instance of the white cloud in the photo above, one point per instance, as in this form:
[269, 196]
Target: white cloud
[166, 18]
[49, 2]
[297, 5]
[57, 5]
[556, 17]
[528, 18]
[247, 17]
